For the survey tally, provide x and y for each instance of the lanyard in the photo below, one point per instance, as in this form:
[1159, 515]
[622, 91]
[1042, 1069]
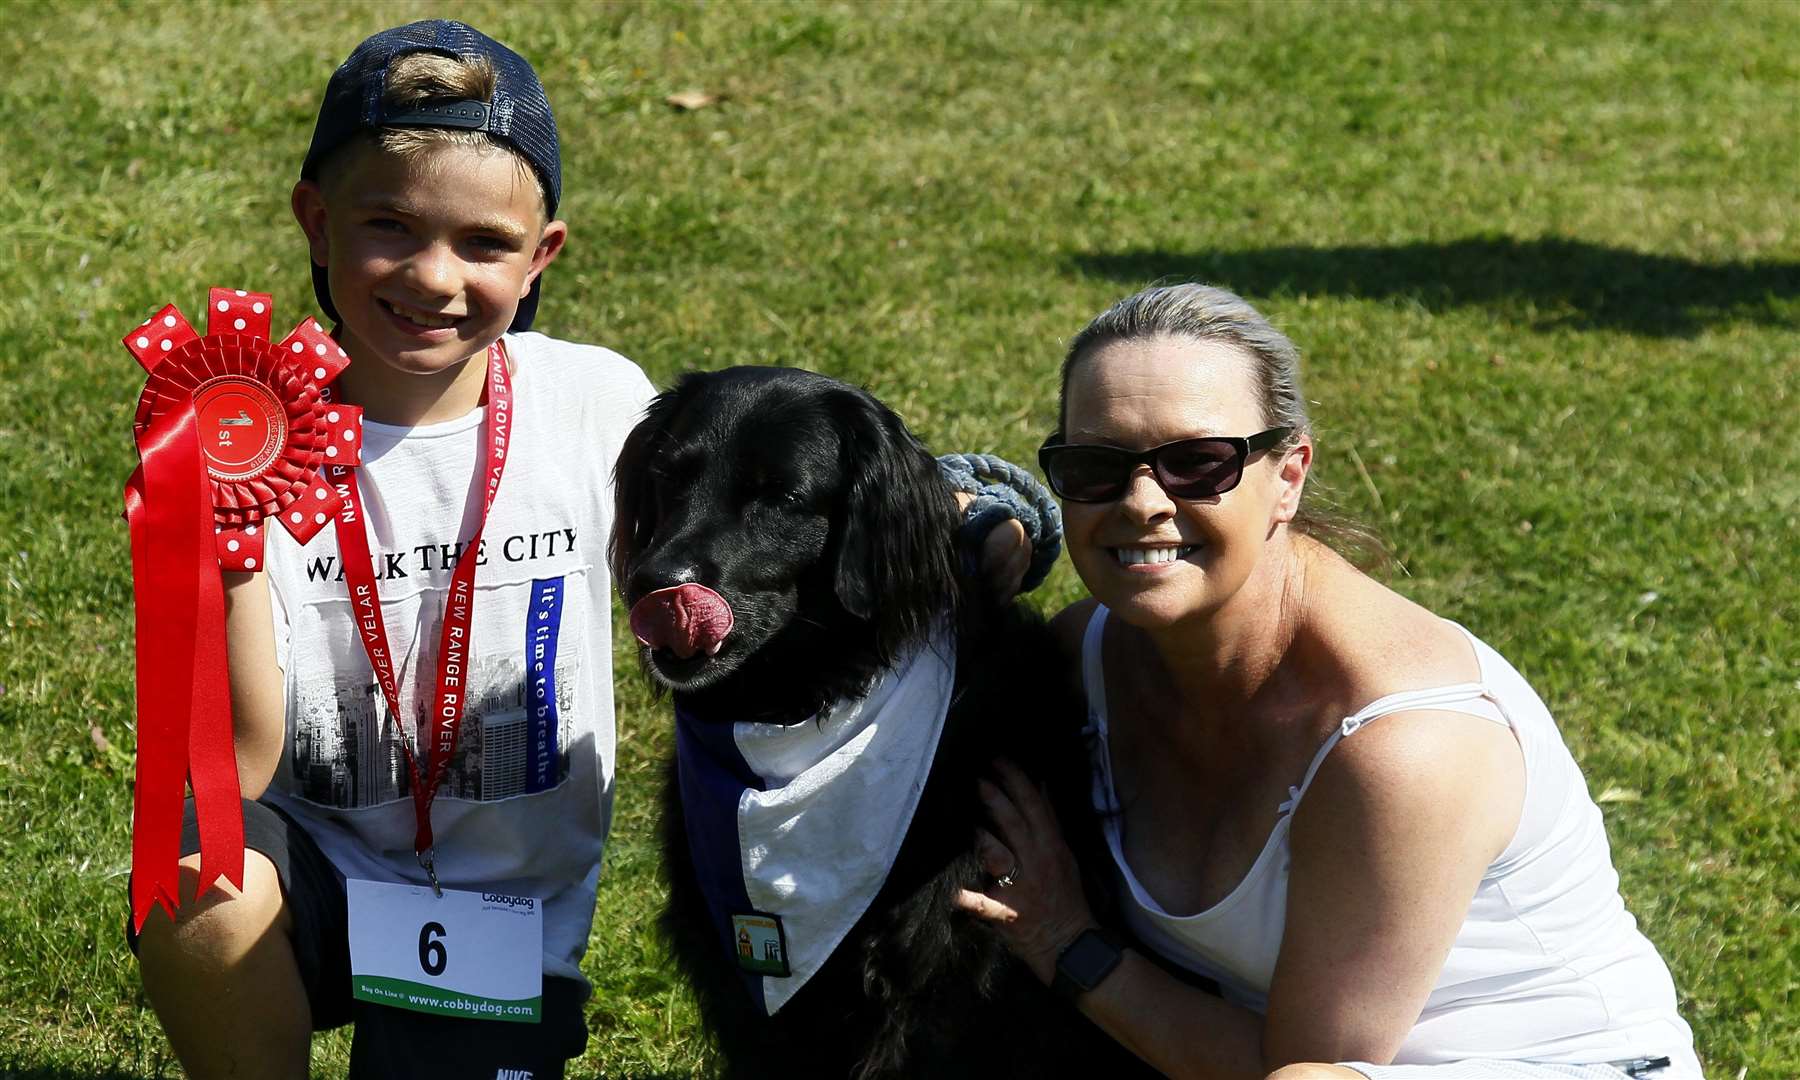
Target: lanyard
[445, 710]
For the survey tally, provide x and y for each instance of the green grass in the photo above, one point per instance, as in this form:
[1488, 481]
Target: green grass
[1542, 258]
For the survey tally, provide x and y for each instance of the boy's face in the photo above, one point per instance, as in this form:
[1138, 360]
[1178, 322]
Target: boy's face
[428, 256]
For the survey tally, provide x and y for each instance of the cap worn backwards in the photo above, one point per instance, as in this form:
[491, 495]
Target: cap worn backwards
[519, 115]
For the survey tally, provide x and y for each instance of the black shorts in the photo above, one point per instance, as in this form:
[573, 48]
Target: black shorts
[388, 1042]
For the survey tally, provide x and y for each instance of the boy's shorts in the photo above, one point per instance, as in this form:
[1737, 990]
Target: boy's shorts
[391, 1042]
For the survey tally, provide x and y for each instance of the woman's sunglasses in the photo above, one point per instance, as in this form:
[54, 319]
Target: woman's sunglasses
[1186, 469]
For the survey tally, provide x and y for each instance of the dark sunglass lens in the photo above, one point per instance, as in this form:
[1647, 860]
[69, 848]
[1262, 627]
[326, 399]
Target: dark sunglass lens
[1198, 468]
[1087, 475]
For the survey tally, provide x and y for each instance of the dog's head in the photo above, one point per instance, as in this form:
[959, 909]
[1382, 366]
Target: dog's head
[774, 517]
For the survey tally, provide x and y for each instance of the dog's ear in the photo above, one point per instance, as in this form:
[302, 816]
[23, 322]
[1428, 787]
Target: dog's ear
[894, 558]
[634, 488]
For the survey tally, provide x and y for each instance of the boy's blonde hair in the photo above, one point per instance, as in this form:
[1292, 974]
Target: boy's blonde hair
[422, 79]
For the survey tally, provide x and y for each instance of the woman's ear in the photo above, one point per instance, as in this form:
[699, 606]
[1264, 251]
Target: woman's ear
[1290, 479]
[308, 202]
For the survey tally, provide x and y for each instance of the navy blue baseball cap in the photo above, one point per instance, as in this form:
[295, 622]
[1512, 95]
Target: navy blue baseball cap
[519, 115]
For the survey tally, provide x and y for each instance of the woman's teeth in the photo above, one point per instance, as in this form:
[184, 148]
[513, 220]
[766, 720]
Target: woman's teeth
[419, 318]
[1134, 556]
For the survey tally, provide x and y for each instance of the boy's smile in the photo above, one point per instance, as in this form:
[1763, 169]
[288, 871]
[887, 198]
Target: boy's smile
[428, 257]
[414, 318]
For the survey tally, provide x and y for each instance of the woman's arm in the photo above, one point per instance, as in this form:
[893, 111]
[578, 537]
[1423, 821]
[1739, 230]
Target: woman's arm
[258, 705]
[1179, 1030]
[1389, 845]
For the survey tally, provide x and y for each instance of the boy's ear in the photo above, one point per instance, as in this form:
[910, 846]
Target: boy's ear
[549, 246]
[308, 201]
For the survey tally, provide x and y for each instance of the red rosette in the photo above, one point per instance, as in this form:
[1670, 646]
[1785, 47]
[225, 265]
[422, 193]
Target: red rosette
[265, 419]
[232, 430]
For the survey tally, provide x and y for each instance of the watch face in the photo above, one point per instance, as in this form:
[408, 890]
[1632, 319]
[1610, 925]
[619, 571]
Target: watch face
[1088, 958]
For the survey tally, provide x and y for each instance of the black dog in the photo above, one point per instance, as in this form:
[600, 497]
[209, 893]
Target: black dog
[784, 542]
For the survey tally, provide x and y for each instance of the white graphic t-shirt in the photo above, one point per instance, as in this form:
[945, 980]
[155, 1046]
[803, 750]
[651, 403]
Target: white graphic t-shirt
[525, 806]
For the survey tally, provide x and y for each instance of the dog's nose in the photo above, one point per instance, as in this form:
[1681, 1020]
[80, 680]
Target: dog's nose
[664, 574]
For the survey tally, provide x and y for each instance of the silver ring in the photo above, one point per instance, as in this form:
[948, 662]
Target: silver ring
[1008, 879]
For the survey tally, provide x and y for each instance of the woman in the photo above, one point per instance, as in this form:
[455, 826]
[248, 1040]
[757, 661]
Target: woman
[1350, 813]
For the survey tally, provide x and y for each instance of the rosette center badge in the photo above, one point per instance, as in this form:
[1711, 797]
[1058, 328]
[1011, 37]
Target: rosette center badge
[251, 426]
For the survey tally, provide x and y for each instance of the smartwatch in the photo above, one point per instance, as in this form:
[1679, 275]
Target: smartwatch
[1087, 960]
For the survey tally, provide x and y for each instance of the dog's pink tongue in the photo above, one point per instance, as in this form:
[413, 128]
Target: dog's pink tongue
[687, 619]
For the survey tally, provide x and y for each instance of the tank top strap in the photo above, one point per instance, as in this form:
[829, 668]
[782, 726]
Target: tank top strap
[1093, 668]
[1093, 682]
[1436, 697]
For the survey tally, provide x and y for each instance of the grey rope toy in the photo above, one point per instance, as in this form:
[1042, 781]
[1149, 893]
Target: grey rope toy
[1002, 490]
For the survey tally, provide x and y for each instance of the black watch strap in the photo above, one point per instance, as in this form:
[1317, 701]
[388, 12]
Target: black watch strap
[1084, 962]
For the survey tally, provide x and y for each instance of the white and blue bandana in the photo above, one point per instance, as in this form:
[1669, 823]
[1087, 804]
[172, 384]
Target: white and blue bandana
[793, 829]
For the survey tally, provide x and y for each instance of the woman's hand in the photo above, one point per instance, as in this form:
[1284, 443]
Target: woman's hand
[1005, 554]
[1036, 903]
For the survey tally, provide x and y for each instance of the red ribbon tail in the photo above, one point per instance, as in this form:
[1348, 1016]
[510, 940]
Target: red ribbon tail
[182, 682]
[164, 632]
[212, 751]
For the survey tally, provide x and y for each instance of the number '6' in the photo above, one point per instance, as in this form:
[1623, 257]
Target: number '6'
[431, 951]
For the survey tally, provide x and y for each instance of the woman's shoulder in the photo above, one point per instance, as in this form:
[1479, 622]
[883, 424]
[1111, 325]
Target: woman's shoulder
[1417, 757]
[1380, 642]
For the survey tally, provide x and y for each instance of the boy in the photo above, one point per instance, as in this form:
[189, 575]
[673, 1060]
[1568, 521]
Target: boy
[428, 199]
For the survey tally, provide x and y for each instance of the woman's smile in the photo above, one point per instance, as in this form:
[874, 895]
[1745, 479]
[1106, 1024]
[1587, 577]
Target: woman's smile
[1150, 559]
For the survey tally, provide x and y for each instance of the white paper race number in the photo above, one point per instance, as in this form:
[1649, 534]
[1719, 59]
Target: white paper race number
[470, 954]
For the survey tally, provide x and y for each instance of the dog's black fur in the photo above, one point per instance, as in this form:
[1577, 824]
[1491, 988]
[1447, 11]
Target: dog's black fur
[808, 505]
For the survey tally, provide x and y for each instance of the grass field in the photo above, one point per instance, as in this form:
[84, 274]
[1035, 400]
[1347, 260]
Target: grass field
[1542, 258]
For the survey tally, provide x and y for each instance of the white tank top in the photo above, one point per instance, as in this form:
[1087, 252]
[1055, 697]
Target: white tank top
[1548, 965]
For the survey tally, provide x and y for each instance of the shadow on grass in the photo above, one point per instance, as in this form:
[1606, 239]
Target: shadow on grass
[1548, 282]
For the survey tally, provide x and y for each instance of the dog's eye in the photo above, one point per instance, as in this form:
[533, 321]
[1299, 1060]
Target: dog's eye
[778, 491]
